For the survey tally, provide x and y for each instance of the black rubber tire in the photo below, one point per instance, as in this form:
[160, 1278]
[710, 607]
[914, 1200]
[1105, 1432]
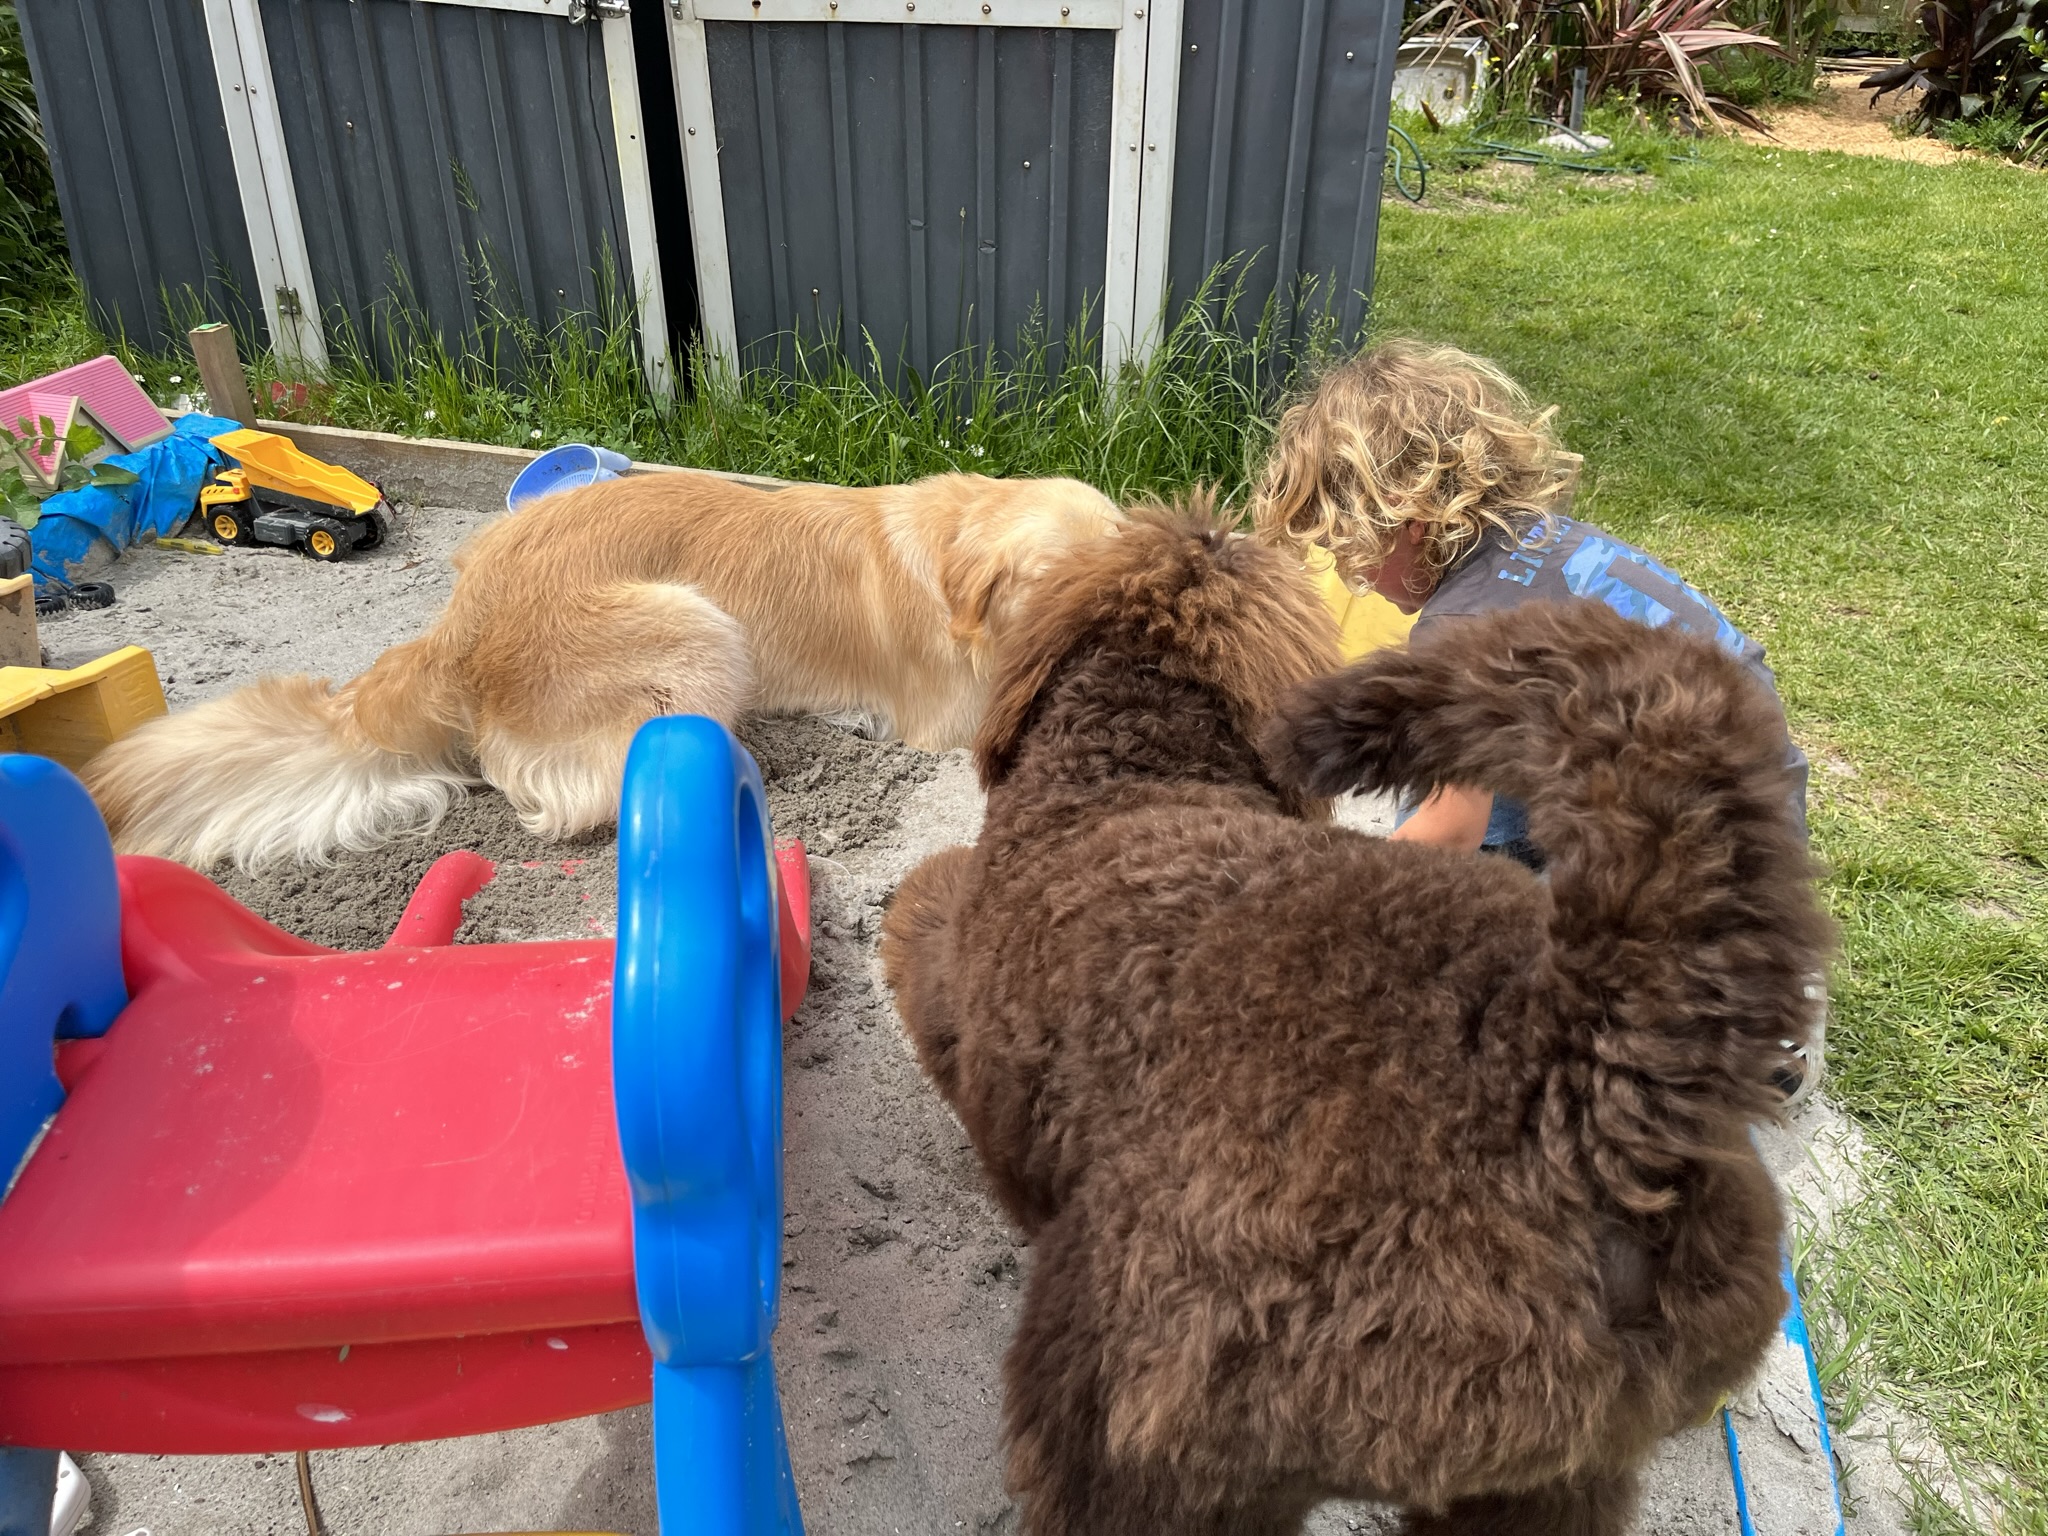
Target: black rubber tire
[50, 602]
[331, 534]
[379, 530]
[92, 594]
[229, 524]
[15, 550]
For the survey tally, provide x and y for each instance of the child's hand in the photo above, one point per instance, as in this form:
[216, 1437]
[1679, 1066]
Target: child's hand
[1450, 818]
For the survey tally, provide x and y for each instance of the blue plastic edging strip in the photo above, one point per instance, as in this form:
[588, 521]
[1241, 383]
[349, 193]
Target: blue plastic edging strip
[1793, 1327]
[1742, 1520]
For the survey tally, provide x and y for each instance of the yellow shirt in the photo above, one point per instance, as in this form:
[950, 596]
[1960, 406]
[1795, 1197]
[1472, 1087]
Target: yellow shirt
[1366, 622]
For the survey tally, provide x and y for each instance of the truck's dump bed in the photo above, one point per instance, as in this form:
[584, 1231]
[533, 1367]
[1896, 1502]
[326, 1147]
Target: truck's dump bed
[274, 463]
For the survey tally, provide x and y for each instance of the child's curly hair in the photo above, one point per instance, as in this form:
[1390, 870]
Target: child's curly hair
[1407, 432]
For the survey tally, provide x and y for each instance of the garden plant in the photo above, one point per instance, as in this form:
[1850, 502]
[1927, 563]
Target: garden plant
[1980, 68]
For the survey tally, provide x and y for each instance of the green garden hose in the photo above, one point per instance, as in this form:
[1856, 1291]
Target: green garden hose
[1399, 161]
[1404, 157]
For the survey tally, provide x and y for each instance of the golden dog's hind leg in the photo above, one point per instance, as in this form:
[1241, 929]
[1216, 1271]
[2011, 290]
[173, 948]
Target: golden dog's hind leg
[634, 651]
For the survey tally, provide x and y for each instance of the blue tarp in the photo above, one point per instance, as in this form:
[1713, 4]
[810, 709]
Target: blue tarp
[169, 475]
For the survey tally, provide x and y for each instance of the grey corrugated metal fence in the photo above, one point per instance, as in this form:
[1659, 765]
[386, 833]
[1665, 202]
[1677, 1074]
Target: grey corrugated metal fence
[921, 185]
[458, 157]
[140, 155]
[1283, 134]
[932, 187]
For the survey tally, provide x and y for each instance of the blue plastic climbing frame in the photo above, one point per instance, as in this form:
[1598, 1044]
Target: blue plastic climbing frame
[60, 940]
[697, 1071]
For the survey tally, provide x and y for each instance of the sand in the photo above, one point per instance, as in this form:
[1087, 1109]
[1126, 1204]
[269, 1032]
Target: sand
[902, 1280]
[1844, 119]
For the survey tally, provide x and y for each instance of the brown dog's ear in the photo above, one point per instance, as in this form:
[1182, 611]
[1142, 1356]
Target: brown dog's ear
[1077, 590]
[1029, 661]
[1336, 733]
[1495, 701]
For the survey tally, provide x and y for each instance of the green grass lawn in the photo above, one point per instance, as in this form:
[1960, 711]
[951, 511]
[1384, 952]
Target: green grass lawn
[1820, 387]
[1817, 385]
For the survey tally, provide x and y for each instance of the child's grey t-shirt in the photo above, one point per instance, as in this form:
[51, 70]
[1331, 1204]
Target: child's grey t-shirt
[1561, 559]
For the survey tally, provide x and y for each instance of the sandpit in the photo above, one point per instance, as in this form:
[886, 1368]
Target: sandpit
[902, 1280]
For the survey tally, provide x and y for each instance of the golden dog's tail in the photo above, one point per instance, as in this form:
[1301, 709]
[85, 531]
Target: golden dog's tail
[291, 767]
[1655, 772]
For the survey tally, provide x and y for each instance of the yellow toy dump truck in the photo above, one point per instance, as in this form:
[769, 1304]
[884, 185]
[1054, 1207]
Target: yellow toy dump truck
[279, 495]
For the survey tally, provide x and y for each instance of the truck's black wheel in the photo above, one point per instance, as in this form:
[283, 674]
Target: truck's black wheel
[230, 526]
[92, 594]
[327, 541]
[374, 530]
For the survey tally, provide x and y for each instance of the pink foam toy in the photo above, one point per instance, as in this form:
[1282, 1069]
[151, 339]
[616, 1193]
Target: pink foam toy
[106, 390]
[60, 411]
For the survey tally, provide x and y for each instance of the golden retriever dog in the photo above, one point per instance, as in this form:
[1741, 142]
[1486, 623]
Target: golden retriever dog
[577, 619]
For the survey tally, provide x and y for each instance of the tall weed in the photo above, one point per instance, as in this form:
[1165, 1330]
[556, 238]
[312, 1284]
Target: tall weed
[1196, 411]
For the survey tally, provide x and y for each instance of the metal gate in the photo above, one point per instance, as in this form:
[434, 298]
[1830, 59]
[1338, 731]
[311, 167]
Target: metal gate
[437, 156]
[926, 173]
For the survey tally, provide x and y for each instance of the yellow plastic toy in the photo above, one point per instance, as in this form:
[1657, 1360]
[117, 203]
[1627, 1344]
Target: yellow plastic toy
[279, 495]
[70, 715]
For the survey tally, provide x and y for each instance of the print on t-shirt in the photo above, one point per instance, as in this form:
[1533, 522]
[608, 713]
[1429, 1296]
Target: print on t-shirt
[1641, 589]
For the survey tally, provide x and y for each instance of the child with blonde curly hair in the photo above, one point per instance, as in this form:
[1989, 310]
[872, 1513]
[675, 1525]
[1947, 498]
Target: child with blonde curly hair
[1422, 485]
[1424, 476]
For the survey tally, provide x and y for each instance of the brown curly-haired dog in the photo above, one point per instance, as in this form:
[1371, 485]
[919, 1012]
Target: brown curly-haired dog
[1354, 1167]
